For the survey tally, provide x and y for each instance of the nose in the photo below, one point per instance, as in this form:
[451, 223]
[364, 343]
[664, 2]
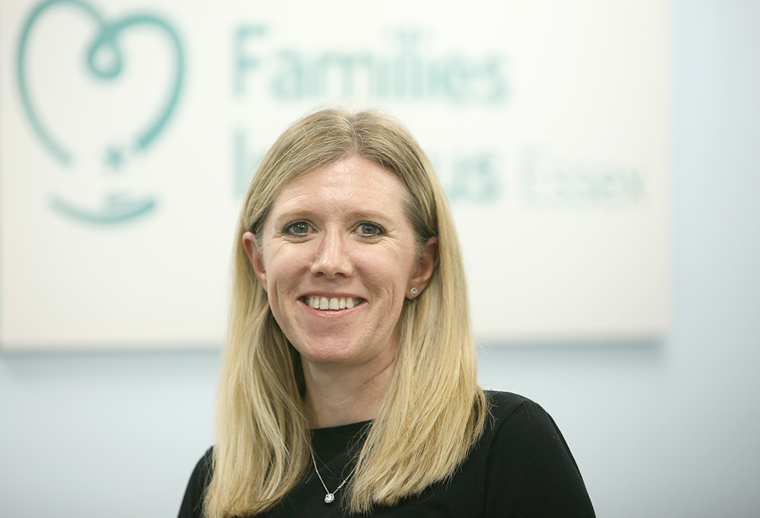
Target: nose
[332, 259]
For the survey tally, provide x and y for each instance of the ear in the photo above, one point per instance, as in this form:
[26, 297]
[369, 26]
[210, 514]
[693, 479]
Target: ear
[254, 257]
[427, 262]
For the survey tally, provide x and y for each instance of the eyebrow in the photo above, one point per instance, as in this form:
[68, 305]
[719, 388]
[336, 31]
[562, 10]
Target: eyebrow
[363, 214]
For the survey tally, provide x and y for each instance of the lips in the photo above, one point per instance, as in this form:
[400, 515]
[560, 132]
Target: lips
[331, 303]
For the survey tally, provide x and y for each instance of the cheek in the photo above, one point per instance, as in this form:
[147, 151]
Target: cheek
[284, 271]
[388, 277]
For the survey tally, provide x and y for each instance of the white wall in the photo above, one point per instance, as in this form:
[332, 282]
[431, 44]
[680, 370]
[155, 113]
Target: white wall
[665, 429]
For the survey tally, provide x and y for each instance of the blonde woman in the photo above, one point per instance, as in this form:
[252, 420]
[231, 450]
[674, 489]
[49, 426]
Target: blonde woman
[348, 383]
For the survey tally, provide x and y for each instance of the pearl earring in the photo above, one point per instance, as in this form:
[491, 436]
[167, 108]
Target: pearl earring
[413, 292]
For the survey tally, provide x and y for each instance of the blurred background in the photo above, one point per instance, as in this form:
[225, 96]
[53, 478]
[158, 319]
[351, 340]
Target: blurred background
[661, 414]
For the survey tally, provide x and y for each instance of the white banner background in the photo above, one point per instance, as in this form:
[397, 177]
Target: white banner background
[548, 122]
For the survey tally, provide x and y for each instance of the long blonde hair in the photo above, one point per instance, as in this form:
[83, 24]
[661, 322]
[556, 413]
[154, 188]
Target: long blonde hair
[433, 410]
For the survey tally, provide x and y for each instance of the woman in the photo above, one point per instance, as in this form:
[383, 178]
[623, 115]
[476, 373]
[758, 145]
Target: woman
[349, 383]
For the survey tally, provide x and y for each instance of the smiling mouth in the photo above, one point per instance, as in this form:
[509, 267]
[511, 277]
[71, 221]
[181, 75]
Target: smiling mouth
[331, 304]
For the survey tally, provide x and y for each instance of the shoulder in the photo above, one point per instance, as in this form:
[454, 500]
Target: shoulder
[192, 503]
[530, 469]
[514, 414]
[205, 466]
[503, 404]
[518, 426]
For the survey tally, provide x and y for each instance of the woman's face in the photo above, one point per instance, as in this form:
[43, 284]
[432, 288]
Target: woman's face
[337, 257]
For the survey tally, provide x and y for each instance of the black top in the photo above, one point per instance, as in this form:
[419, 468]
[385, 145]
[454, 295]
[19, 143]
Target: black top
[520, 467]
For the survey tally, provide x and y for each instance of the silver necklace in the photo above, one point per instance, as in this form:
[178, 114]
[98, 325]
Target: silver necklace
[330, 497]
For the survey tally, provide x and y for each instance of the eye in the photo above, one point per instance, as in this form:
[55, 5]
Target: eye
[370, 229]
[298, 228]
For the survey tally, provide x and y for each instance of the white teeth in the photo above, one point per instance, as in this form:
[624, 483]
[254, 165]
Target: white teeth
[334, 303]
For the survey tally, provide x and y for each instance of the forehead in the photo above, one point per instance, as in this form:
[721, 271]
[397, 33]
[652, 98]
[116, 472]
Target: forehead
[354, 182]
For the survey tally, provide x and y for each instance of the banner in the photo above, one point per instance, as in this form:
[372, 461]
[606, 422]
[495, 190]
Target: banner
[129, 131]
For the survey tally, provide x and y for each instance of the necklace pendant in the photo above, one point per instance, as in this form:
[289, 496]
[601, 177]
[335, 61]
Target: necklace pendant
[329, 498]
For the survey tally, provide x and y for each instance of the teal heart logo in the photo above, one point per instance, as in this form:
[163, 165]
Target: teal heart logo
[104, 59]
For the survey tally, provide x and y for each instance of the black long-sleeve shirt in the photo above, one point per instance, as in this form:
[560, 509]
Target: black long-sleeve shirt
[520, 467]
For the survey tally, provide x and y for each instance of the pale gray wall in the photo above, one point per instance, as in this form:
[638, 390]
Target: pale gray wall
[666, 429]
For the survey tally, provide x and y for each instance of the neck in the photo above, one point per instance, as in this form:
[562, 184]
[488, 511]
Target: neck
[338, 395]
